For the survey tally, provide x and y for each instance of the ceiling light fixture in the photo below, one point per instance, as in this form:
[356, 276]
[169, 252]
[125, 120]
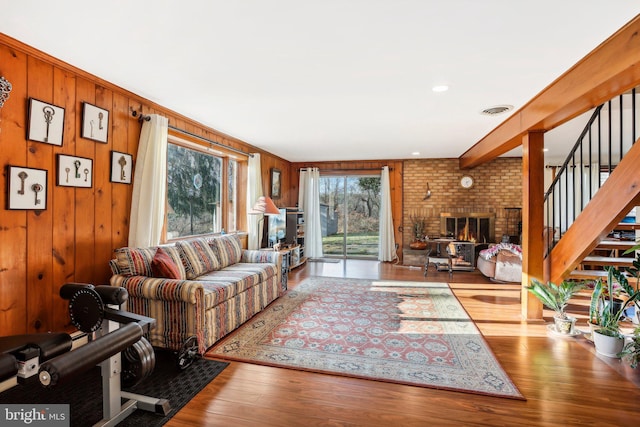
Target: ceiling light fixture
[440, 88]
[496, 109]
[415, 153]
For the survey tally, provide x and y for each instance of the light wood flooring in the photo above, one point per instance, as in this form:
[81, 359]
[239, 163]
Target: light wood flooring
[564, 381]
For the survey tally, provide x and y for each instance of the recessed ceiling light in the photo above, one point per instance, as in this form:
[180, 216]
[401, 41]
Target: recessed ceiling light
[545, 149]
[440, 88]
[415, 153]
[496, 109]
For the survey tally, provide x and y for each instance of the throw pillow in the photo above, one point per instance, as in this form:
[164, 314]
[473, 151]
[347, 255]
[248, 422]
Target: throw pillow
[228, 248]
[198, 257]
[164, 266]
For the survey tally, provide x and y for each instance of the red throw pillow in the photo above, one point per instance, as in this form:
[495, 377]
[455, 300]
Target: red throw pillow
[163, 265]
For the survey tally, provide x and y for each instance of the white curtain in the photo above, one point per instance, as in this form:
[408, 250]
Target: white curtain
[254, 190]
[386, 238]
[149, 184]
[309, 197]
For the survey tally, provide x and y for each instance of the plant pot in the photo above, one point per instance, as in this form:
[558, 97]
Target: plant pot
[606, 345]
[418, 244]
[564, 325]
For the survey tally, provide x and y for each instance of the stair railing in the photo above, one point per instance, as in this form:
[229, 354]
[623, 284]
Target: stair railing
[601, 145]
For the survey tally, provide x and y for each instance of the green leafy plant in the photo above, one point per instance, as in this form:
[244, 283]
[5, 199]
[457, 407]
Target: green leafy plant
[555, 297]
[631, 351]
[418, 226]
[608, 318]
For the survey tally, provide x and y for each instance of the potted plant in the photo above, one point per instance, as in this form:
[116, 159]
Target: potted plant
[607, 337]
[631, 351]
[556, 298]
[600, 298]
[417, 228]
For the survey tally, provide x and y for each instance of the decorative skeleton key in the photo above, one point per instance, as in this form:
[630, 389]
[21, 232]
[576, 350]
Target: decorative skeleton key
[122, 162]
[77, 165]
[86, 174]
[22, 175]
[100, 117]
[67, 170]
[36, 189]
[48, 118]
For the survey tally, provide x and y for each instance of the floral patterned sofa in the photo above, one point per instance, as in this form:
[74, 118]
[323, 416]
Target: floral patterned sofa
[203, 287]
[501, 262]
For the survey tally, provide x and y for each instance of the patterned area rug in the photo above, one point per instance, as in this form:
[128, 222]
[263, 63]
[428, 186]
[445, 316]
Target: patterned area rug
[404, 332]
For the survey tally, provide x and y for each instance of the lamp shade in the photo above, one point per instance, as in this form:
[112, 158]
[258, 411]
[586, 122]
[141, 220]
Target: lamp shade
[264, 206]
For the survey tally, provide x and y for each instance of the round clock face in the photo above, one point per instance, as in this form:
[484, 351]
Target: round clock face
[466, 181]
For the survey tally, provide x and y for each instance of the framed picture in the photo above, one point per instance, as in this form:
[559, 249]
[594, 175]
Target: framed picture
[95, 122]
[275, 183]
[74, 171]
[46, 122]
[121, 167]
[26, 188]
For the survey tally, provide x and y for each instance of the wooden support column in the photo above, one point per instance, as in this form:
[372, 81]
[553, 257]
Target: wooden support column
[532, 220]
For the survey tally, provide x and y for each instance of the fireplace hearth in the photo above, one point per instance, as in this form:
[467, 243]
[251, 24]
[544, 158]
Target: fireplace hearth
[477, 227]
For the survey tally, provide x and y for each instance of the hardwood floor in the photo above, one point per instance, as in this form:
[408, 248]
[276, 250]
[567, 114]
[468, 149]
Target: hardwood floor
[563, 380]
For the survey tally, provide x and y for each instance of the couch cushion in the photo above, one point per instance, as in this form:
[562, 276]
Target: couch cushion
[164, 266]
[198, 257]
[224, 284]
[137, 261]
[228, 248]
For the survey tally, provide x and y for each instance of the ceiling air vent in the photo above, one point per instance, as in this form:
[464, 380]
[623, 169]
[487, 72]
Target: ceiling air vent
[496, 109]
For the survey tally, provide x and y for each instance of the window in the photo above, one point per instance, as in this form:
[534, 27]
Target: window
[194, 187]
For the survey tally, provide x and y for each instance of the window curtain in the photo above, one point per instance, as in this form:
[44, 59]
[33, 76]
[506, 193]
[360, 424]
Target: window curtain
[386, 238]
[309, 197]
[149, 184]
[254, 190]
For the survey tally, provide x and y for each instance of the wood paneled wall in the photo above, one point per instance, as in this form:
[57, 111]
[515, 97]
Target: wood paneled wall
[74, 238]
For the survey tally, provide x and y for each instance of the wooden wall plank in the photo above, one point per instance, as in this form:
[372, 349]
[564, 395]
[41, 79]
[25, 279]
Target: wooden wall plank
[40, 222]
[84, 204]
[62, 202]
[103, 193]
[13, 224]
[120, 192]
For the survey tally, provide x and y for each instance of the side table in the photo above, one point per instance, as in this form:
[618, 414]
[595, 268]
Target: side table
[284, 268]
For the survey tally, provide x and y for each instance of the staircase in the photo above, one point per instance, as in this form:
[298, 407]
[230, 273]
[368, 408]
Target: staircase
[597, 185]
[607, 253]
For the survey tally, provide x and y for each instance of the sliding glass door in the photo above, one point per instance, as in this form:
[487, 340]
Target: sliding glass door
[349, 210]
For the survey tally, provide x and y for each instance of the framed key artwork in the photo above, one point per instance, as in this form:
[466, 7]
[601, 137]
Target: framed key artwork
[46, 122]
[26, 188]
[74, 171]
[95, 123]
[121, 167]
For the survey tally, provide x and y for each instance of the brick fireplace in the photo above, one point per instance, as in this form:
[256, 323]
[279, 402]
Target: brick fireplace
[477, 227]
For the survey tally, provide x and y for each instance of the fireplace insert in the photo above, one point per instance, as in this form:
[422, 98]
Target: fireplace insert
[476, 227]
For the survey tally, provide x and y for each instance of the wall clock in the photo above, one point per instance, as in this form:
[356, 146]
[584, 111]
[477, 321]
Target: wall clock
[466, 181]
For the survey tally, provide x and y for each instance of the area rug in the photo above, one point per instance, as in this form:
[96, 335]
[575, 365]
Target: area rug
[84, 395]
[411, 333]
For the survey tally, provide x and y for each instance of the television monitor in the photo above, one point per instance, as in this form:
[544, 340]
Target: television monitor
[277, 229]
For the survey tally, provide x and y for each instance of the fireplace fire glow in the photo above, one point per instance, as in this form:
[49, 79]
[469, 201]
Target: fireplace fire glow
[470, 227]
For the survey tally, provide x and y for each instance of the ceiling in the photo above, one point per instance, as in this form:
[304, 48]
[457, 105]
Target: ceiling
[332, 79]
